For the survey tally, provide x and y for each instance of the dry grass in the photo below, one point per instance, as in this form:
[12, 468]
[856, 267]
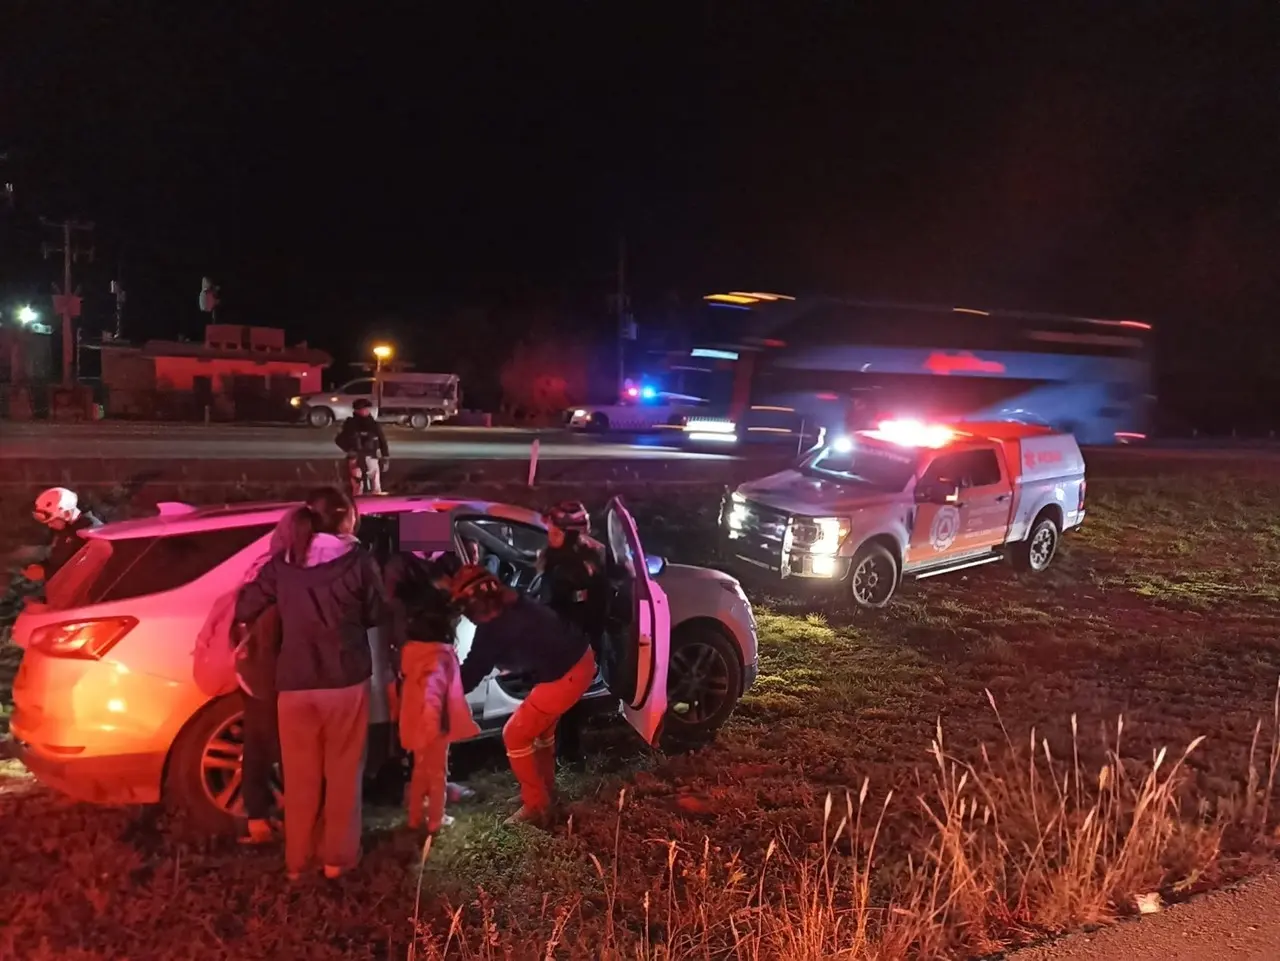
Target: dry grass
[1161, 612]
[1013, 846]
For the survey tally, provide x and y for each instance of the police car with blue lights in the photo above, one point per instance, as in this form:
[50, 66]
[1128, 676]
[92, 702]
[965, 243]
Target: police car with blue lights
[642, 408]
[908, 499]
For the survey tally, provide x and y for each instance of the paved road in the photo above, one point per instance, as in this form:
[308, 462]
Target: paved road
[1240, 924]
[248, 442]
[151, 441]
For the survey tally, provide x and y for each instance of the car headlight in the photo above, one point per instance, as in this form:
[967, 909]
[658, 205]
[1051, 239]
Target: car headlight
[737, 512]
[295, 401]
[820, 535]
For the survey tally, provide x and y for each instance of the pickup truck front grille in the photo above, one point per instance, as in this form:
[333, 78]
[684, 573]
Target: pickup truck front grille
[756, 534]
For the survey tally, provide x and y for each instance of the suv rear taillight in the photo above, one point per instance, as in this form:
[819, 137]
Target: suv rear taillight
[85, 640]
[1083, 484]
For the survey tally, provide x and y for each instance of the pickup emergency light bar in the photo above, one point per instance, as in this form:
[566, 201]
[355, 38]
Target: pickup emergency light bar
[912, 433]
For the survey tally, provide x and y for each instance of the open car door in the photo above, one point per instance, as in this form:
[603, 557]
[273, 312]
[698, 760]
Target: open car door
[637, 643]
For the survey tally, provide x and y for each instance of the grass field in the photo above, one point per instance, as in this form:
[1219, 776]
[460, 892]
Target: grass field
[772, 842]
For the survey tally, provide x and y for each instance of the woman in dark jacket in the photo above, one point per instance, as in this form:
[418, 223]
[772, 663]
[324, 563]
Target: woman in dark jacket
[328, 592]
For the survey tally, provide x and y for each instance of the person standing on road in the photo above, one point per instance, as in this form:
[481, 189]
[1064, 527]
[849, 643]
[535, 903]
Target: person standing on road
[515, 633]
[363, 440]
[329, 592]
[575, 586]
[59, 510]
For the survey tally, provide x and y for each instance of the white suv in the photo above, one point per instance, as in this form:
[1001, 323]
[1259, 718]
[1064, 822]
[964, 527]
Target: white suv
[106, 709]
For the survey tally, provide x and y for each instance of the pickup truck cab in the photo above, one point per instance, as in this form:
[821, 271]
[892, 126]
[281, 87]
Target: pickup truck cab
[909, 500]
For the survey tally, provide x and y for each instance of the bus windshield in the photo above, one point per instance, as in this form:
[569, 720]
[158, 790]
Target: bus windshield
[881, 466]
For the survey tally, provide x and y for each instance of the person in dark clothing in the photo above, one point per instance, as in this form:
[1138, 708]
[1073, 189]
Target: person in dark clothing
[59, 510]
[329, 592]
[256, 658]
[361, 439]
[576, 587]
[255, 670]
[516, 634]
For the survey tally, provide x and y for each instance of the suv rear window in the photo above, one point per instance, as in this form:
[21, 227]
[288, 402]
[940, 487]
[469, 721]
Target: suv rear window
[117, 570]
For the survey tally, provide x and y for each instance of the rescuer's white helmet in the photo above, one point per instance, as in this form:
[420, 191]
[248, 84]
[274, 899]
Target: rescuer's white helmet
[57, 507]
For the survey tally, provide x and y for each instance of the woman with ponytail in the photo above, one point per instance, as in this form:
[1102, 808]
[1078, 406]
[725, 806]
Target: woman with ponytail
[328, 592]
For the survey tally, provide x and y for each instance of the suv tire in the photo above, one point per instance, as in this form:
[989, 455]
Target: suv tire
[186, 790]
[717, 685]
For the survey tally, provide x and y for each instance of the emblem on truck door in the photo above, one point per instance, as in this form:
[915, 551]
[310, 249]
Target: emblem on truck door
[946, 525]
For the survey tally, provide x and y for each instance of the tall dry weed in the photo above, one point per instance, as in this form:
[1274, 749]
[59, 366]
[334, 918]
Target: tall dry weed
[1015, 843]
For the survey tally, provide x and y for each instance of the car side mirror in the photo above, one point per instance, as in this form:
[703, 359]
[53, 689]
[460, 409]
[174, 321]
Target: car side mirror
[654, 564]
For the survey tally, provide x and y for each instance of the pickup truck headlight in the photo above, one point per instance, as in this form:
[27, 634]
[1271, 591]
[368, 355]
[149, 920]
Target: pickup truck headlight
[736, 511]
[295, 401]
[820, 535]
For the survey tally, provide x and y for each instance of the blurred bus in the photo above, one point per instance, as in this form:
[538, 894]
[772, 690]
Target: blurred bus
[776, 367]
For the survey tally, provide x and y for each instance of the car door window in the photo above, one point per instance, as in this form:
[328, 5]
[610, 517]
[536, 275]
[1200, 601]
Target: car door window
[974, 468]
[152, 565]
[636, 645]
[946, 472]
[508, 549]
[358, 387]
[982, 468]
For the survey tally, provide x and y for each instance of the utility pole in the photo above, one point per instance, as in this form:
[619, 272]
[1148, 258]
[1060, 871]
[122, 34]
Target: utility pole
[622, 312]
[65, 301]
[117, 290]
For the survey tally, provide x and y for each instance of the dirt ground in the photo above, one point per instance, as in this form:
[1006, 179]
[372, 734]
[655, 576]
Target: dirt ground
[1162, 610]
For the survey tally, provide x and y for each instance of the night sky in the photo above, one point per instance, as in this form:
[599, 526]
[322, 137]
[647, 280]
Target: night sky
[346, 173]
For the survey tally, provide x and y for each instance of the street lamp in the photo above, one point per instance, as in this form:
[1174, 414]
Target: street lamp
[26, 315]
[381, 354]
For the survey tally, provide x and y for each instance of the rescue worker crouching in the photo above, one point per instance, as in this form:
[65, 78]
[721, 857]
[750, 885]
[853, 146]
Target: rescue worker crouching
[362, 440]
[514, 633]
[59, 510]
[575, 586]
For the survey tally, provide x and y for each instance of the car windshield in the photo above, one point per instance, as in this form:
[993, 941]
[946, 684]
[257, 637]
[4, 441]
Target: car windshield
[885, 467]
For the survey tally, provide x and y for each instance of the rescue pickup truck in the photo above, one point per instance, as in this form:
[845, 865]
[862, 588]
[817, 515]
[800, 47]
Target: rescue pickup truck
[909, 500]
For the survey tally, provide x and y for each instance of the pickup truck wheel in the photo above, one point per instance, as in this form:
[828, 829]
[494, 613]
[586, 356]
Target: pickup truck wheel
[873, 576]
[319, 417]
[419, 421]
[1038, 550]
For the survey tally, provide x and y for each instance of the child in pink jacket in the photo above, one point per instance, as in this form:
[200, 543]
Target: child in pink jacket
[433, 714]
[433, 707]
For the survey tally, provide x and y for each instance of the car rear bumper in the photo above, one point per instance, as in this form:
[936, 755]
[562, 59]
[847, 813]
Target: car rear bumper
[111, 779]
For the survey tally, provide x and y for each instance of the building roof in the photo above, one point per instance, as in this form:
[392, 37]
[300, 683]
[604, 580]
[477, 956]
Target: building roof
[309, 356]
